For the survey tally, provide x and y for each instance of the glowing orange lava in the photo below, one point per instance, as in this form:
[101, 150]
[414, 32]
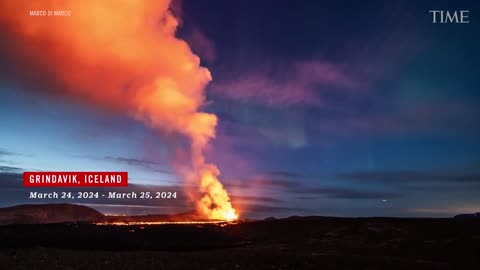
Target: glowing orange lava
[135, 223]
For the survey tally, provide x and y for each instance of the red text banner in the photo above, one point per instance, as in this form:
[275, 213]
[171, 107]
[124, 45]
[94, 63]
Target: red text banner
[75, 179]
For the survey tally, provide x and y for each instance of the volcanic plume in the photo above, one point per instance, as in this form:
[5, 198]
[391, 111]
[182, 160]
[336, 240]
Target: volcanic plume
[123, 55]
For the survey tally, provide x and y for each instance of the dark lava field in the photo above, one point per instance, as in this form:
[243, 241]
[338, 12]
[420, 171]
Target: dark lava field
[293, 243]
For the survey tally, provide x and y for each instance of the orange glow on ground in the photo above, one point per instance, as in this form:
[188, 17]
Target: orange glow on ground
[140, 223]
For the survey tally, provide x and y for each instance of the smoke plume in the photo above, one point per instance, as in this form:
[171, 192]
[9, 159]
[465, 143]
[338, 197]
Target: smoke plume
[120, 54]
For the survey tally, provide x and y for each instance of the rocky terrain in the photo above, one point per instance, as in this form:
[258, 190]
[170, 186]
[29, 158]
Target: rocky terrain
[468, 216]
[293, 243]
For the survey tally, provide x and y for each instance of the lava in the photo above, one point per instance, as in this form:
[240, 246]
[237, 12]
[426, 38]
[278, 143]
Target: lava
[215, 201]
[146, 223]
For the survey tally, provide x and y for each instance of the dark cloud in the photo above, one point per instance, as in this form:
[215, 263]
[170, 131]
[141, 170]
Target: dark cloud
[442, 188]
[281, 179]
[263, 181]
[146, 164]
[347, 193]
[278, 183]
[400, 177]
[271, 209]
[286, 174]
[4, 152]
[439, 183]
[10, 170]
[288, 182]
[307, 198]
[255, 199]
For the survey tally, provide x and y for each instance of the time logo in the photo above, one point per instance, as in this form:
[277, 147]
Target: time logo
[446, 16]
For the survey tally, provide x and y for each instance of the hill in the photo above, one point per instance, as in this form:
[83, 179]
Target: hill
[48, 213]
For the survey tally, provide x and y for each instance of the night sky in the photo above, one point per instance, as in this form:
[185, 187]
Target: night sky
[338, 108]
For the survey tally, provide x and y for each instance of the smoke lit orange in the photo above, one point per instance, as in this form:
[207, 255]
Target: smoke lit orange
[123, 54]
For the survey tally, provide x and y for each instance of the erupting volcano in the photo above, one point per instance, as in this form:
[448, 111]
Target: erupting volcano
[216, 202]
[137, 66]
